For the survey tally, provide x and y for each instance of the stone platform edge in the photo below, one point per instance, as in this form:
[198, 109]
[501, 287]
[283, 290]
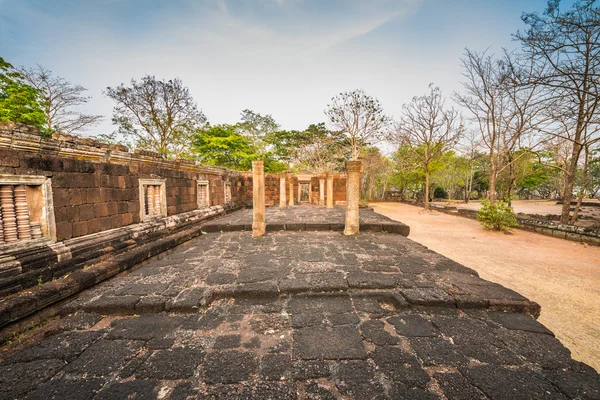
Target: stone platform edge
[195, 299]
[94, 258]
[394, 227]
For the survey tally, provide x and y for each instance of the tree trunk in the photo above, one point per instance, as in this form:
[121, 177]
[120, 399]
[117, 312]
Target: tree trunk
[584, 185]
[569, 184]
[427, 187]
[511, 181]
[492, 187]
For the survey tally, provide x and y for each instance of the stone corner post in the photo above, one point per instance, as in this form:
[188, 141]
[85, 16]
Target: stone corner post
[258, 198]
[329, 190]
[352, 197]
[282, 185]
[321, 191]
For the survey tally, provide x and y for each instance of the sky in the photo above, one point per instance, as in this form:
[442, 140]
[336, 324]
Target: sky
[286, 58]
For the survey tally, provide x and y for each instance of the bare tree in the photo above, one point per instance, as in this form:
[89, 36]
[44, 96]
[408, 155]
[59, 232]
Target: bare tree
[567, 43]
[60, 99]
[159, 115]
[429, 129]
[505, 110]
[359, 117]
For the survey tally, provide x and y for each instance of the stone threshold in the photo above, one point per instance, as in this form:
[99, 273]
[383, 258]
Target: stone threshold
[94, 258]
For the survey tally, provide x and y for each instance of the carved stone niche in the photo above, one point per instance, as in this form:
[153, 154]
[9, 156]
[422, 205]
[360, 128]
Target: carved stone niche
[26, 209]
[203, 193]
[153, 198]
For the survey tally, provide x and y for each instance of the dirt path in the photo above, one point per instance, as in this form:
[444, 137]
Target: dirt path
[562, 276]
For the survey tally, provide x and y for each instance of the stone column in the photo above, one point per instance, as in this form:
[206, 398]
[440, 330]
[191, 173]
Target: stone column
[22, 211]
[299, 192]
[329, 190]
[157, 200]
[8, 214]
[291, 196]
[282, 202]
[321, 191]
[352, 197]
[258, 198]
[1, 227]
[149, 200]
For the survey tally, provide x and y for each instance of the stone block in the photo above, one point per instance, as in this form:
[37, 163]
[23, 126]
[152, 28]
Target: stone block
[112, 208]
[86, 212]
[337, 343]
[64, 230]
[75, 197]
[126, 219]
[80, 228]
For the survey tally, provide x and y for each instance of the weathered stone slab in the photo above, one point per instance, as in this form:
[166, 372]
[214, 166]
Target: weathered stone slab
[337, 343]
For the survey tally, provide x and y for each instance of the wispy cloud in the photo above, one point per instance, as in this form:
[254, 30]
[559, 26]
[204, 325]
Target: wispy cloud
[284, 57]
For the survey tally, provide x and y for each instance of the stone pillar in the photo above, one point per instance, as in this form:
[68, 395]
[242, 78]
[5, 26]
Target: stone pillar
[282, 202]
[352, 197]
[321, 191]
[149, 200]
[258, 198]
[330, 190]
[291, 196]
[1, 227]
[9, 218]
[299, 192]
[22, 211]
[157, 200]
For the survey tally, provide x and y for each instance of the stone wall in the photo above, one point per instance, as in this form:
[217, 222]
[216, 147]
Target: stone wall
[95, 187]
[92, 206]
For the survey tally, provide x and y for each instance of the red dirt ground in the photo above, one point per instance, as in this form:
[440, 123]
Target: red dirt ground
[562, 276]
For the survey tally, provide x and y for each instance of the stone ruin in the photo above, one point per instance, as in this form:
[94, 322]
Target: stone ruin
[103, 311]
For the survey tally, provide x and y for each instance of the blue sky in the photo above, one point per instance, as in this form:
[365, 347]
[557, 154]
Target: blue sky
[281, 57]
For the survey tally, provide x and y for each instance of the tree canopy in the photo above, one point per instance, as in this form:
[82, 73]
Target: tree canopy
[19, 102]
[159, 115]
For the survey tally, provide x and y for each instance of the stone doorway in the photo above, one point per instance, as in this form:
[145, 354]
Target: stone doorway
[305, 192]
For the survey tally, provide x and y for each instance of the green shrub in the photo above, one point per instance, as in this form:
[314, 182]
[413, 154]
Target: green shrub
[499, 216]
[440, 193]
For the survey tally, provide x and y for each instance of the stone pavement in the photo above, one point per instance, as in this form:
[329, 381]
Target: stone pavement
[309, 218]
[308, 315]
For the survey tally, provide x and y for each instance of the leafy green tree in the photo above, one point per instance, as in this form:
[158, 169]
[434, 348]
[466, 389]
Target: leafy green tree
[257, 128]
[449, 173]
[594, 181]
[377, 170]
[19, 102]
[407, 175]
[285, 146]
[221, 145]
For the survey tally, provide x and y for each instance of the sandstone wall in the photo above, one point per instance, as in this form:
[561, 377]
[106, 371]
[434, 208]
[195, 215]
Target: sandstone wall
[95, 187]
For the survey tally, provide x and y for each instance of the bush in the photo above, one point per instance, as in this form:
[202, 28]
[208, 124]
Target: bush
[440, 193]
[499, 216]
